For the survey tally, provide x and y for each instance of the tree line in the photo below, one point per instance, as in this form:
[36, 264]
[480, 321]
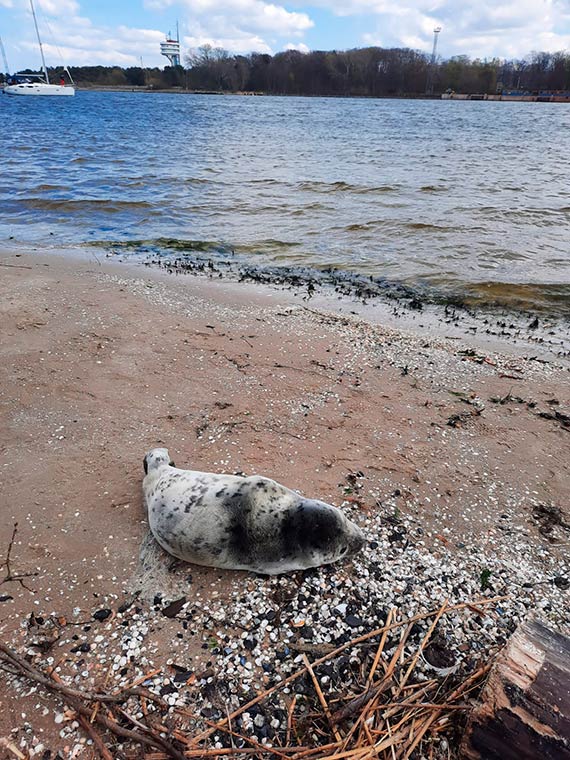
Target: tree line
[371, 71]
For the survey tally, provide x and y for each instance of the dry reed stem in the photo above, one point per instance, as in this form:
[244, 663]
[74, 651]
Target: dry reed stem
[290, 719]
[380, 649]
[98, 704]
[414, 718]
[322, 699]
[392, 751]
[138, 681]
[11, 748]
[330, 655]
[249, 740]
[367, 697]
[420, 649]
[369, 736]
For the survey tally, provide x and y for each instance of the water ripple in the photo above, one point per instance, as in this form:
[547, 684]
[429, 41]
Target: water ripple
[418, 191]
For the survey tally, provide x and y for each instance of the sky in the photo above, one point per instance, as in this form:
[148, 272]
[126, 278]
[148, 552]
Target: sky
[122, 32]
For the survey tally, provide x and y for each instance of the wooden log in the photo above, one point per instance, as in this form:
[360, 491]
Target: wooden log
[524, 709]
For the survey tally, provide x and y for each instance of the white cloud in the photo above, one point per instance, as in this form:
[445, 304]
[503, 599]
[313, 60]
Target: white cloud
[482, 28]
[71, 38]
[240, 44]
[237, 25]
[300, 47]
[58, 7]
[479, 28]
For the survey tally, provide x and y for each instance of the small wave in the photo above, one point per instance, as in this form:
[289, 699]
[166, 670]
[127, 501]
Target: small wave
[519, 296]
[200, 181]
[265, 181]
[546, 214]
[434, 189]
[344, 187]
[310, 207]
[373, 224]
[98, 205]
[167, 245]
[428, 227]
[270, 243]
[51, 187]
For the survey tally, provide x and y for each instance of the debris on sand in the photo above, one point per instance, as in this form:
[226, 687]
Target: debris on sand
[382, 694]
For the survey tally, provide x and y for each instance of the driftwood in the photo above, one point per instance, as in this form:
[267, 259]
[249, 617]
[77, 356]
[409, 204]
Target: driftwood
[524, 710]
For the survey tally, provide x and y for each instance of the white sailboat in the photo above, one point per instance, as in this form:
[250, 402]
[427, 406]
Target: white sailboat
[38, 84]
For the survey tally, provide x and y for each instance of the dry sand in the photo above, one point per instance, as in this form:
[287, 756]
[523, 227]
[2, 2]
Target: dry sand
[101, 362]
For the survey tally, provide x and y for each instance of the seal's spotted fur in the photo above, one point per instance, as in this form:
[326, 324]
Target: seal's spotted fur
[241, 523]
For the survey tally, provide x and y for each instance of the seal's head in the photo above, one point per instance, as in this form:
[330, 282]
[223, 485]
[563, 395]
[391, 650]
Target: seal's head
[155, 459]
[320, 533]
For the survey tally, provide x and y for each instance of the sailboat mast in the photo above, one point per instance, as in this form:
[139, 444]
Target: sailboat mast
[7, 68]
[39, 41]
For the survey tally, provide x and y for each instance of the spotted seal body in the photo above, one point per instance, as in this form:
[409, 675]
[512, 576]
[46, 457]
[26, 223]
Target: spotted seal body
[241, 523]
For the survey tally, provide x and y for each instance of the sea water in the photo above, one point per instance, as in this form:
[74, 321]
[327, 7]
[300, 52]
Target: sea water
[458, 197]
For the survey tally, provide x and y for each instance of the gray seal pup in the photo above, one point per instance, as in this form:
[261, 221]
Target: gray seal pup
[241, 523]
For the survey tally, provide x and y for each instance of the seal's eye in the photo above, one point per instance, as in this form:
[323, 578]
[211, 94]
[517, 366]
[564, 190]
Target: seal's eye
[145, 465]
[344, 550]
[171, 463]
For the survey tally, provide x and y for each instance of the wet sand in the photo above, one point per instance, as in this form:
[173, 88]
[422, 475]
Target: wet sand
[102, 361]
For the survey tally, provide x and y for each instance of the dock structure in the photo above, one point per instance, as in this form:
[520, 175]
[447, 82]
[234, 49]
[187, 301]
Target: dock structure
[543, 96]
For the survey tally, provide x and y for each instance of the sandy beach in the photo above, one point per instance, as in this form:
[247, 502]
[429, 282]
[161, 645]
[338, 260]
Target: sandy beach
[463, 447]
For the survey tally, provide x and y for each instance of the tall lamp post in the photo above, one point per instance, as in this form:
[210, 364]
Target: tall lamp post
[431, 69]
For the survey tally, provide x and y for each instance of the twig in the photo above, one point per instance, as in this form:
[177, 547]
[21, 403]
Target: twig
[86, 723]
[68, 691]
[98, 704]
[356, 704]
[290, 719]
[141, 679]
[379, 650]
[421, 647]
[10, 576]
[75, 698]
[4, 742]
[330, 655]
[248, 739]
[154, 738]
[322, 699]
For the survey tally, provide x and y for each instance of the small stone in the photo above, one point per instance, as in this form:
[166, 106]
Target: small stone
[172, 609]
[353, 621]
[102, 614]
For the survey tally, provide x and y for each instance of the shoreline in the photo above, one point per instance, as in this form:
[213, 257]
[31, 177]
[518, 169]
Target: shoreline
[479, 97]
[450, 455]
[511, 321]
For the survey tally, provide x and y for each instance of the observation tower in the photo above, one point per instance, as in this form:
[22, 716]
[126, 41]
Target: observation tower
[171, 48]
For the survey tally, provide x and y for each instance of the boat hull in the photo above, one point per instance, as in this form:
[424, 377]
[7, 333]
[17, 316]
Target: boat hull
[39, 89]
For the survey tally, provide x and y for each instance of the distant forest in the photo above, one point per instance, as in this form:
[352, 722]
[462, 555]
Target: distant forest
[372, 72]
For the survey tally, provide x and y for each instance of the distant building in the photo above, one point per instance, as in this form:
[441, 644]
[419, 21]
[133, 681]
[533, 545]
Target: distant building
[171, 48]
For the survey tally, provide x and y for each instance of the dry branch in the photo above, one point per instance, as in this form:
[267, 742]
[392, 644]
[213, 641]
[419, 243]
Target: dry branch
[388, 720]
